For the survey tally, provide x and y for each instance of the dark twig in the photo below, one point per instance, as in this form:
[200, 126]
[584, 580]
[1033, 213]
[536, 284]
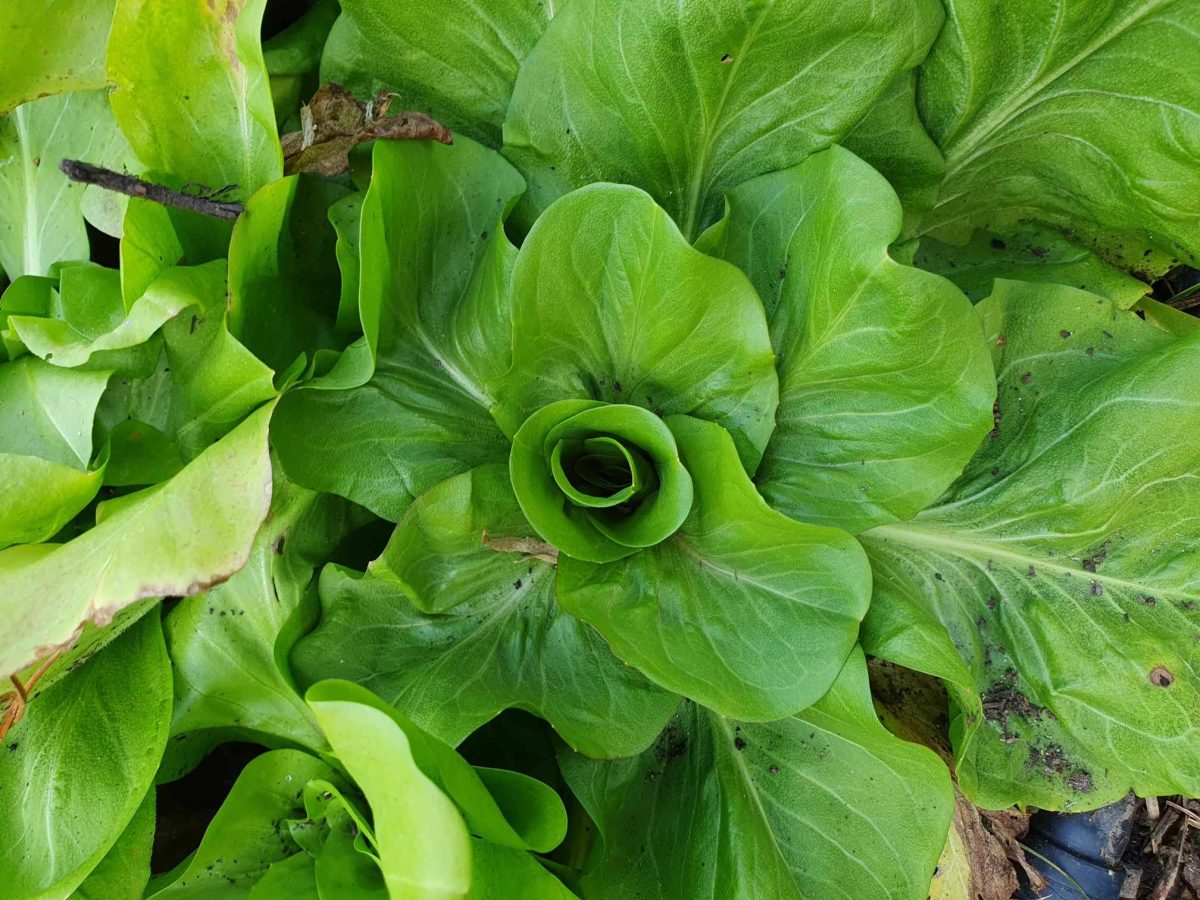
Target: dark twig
[86, 173]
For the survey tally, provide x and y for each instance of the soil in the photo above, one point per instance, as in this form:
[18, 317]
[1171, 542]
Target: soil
[1162, 861]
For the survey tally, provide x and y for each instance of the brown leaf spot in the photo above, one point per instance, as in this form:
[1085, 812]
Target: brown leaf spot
[1160, 676]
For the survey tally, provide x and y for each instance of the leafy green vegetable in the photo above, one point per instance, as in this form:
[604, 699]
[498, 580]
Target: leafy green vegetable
[227, 643]
[453, 623]
[817, 805]
[686, 101]
[1033, 104]
[1052, 587]
[885, 388]
[55, 47]
[125, 870]
[191, 532]
[524, 502]
[461, 72]
[46, 473]
[221, 95]
[80, 762]
[40, 218]
[1027, 253]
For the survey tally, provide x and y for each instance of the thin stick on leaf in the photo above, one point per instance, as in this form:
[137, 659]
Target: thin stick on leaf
[86, 173]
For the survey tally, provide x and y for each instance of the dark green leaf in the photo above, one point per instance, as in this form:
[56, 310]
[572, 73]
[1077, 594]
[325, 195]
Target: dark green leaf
[826, 804]
[452, 629]
[75, 769]
[688, 100]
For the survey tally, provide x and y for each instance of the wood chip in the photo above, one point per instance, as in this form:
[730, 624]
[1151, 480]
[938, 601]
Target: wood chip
[1129, 887]
[1152, 809]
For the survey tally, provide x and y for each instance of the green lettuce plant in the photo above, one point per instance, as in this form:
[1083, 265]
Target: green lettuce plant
[562, 509]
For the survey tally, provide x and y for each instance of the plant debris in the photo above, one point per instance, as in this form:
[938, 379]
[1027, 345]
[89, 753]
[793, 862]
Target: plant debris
[334, 122]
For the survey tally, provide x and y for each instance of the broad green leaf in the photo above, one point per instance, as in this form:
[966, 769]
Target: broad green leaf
[125, 869]
[433, 300]
[341, 870]
[229, 645]
[1054, 586]
[40, 218]
[95, 329]
[283, 277]
[688, 100]
[200, 107]
[46, 473]
[1027, 253]
[249, 833]
[454, 623]
[194, 531]
[1167, 318]
[460, 70]
[424, 849]
[1071, 114]
[885, 386]
[52, 47]
[500, 873]
[892, 139]
[291, 878]
[649, 321]
[827, 804]
[744, 610]
[206, 381]
[505, 808]
[344, 216]
[74, 770]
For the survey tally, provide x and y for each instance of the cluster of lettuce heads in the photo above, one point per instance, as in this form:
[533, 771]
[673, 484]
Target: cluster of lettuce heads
[729, 344]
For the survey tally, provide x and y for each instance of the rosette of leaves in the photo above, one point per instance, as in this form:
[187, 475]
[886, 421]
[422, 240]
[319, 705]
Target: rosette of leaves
[620, 471]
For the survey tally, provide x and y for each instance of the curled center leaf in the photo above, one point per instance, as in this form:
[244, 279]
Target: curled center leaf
[599, 481]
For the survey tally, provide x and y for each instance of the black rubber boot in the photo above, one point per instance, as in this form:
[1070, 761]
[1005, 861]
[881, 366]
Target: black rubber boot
[1081, 852]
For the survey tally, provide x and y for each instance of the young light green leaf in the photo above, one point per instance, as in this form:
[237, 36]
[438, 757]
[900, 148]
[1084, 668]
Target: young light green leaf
[46, 472]
[1053, 587]
[1027, 253]
[95, 329]
[125, 870]
[424, 850]
[461, 72]
[1034, 104]
[454, 623]
[826, 804]
[229, 645]
[651, 322]
[75, 769]
[210, 121]
[52, 47]
[433, 300]
[249, 833]
[40, 218]
[687, 100]
[505, 808]
[743, 610]
[193, 532]
[885, 384]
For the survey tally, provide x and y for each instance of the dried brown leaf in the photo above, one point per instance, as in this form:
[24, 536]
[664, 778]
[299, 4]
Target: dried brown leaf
[991, 839]
[334, 122]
